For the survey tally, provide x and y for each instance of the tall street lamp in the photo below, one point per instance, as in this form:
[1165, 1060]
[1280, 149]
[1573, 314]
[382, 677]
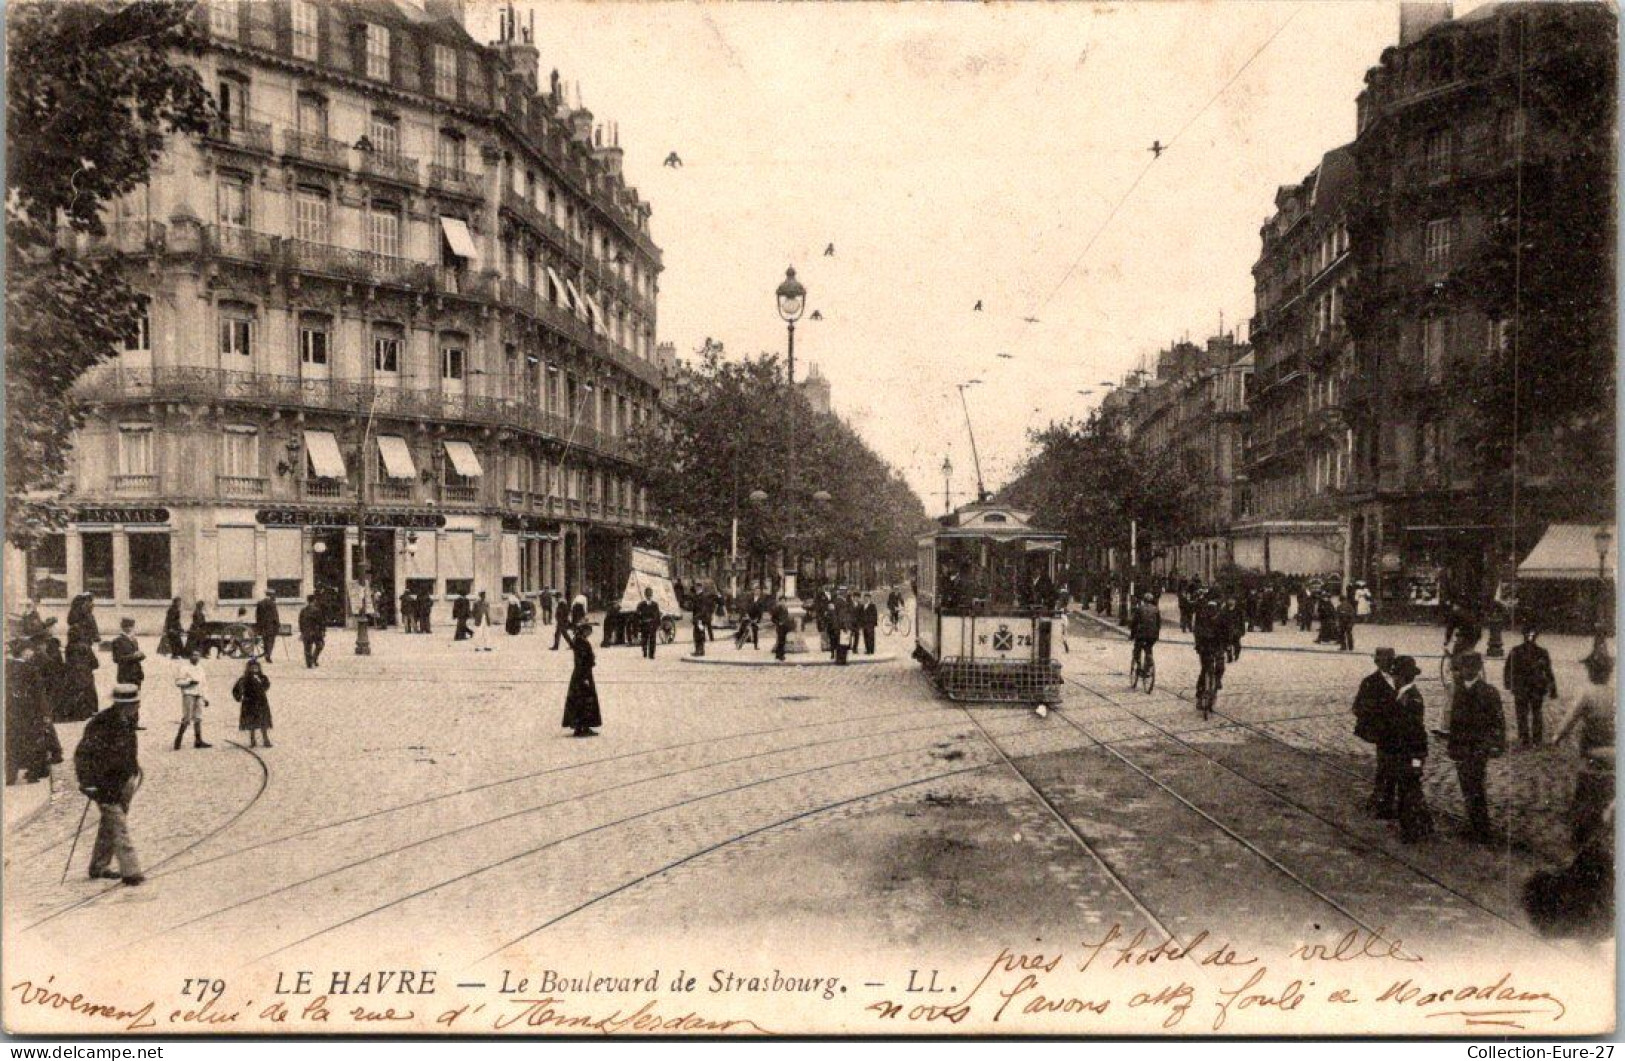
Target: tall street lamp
[792, 300]
[363, 619]
[947, 478]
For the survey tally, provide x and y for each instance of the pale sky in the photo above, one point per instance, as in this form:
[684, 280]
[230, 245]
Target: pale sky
[961, 152]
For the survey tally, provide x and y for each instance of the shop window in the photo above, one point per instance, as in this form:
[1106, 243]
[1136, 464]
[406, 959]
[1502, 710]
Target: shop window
[463, 587]
[48, 568]
[96, 563]
[423, 587]
[235, 591]
[286, 589]
[149, 565]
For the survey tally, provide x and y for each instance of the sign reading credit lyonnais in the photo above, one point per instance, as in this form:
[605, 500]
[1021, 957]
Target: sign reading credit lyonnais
[122, 515]
[287, 517]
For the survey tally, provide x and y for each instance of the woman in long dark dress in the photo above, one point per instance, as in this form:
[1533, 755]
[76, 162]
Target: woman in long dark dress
[581, 703]
[82, 620]
[52, 672]
[515, 619]
[194, 633]
[173, 642]
[77, 701]
[251, 692]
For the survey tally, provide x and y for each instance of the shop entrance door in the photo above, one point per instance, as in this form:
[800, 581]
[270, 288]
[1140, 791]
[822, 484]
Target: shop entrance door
[381, 572]
[327, 572]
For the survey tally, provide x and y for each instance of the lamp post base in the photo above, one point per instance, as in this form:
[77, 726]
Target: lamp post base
[363, 642]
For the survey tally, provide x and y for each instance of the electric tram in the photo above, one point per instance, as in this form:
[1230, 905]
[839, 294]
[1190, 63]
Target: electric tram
[984, 621]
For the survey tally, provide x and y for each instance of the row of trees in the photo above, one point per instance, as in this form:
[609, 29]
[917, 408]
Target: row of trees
[1084, 479]
[92, 95]
[725, 454]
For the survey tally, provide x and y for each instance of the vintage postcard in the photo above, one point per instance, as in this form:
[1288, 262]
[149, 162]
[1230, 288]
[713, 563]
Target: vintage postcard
[681, 518]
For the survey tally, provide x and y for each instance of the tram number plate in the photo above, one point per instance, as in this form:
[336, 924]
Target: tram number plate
[1005, 640]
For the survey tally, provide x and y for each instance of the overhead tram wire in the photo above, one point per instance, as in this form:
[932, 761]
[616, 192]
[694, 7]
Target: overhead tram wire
[1135, 184]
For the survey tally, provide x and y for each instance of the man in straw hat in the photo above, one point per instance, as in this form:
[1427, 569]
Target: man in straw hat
[1373, 711]
[109, 774]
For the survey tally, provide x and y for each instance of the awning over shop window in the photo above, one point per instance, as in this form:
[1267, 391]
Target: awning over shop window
[1568, 551]
[325, 459]
[595, 316]
[458, 238]
[510, 555]
[397, 457]
[463, 459]
[457, 559]
[558, 284]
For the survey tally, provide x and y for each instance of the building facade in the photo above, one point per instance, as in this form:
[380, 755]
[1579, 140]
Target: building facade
[401, 320]
[1192, 412]
[1299, 445]
[1482, 300]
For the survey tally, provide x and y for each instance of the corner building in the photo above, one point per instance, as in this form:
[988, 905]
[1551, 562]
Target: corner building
[402, 299]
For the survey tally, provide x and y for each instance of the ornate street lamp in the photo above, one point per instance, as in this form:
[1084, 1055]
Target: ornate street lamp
[947, 479]
[792, 302]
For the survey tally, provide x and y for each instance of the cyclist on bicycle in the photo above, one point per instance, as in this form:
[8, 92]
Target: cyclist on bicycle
[894, 604]
[1212, 634]
[1145, 627]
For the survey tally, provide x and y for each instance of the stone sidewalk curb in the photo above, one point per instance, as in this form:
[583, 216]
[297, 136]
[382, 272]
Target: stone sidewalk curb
[1250, 646]
[769, 661]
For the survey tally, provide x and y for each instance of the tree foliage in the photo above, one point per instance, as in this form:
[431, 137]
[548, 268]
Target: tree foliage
[1084, 479]
[93, 91]
[728, 436]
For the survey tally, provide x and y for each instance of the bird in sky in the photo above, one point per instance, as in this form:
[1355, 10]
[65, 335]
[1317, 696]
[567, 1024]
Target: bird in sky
[1107, 383]
[1005, 356]
[1086, 393]
[673, 161]
[816, 315]
[829, 251]
[1030, 320]
[978, 307]
[1157, 148]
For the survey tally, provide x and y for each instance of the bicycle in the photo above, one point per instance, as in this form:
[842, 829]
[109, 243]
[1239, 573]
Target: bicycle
[1143, 667]
[898, 624]
[1210, 679]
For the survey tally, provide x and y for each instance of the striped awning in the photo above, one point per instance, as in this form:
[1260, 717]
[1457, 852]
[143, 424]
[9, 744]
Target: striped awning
[325, 459]
[463, 459]
[397, 457]
[1569, 551]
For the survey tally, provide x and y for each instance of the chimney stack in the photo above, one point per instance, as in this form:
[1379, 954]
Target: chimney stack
[1416, 17]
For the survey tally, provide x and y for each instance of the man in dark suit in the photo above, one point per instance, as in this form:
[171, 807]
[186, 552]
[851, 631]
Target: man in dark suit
[267, 622]
[648, 620]
[128, 656]
[312, 631]
[409, 611]
[561, 621]
[868, 619]
[1528, 677]
[781, 627]
[1477, 735]
[1374, 706]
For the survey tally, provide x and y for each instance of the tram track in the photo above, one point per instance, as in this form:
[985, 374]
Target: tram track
[601, 827]
[1359, 845]
[486, 822]
[156, 868]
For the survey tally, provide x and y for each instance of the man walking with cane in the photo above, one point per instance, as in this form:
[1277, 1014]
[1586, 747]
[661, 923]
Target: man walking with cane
[109, 775]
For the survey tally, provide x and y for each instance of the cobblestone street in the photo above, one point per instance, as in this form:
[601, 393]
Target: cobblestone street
[428, 795]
